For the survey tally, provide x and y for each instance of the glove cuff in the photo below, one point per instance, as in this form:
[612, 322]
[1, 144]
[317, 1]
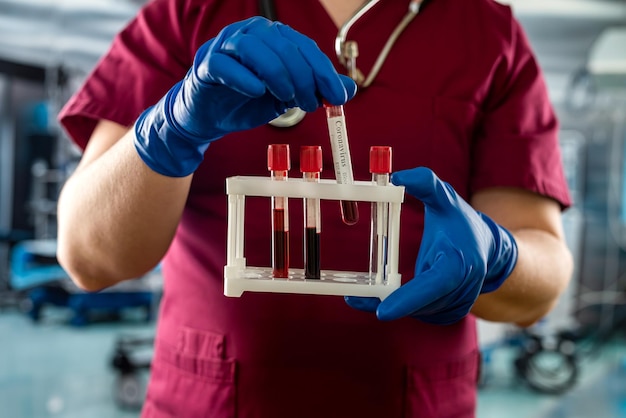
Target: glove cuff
[503, 258]
[164, 147]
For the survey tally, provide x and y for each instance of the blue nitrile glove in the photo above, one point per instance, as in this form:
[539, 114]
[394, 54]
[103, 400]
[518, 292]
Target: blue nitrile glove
[252, 72]
[463, 254]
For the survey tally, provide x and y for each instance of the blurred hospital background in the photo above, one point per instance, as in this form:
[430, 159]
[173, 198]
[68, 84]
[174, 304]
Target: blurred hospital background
[65, 353]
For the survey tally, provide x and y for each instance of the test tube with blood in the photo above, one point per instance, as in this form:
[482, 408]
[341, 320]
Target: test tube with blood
[278, 163]
[341, 158]
[311, 166]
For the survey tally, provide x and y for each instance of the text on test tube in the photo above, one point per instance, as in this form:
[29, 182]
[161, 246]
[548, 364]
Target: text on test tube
[341, 158]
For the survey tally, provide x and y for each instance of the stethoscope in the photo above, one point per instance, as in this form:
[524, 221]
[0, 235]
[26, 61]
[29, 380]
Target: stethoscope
[347, 51]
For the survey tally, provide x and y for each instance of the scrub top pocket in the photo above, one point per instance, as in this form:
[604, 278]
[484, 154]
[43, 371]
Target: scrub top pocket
[192, 379]
[443, 390]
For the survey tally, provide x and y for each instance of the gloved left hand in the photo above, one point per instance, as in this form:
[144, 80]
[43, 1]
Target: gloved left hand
[463, 254]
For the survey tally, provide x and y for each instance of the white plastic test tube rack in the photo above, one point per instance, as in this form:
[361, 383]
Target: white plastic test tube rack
[238, 277]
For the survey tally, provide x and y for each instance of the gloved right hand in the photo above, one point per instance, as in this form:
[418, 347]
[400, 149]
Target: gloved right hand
[463, 254]
[252, 72]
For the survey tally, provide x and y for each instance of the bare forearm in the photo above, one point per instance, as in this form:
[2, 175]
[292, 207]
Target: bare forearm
[542, 272]
[117, 217]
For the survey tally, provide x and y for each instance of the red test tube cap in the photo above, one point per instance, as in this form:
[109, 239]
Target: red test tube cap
[310, 158]
[278, 157]
[380, 160]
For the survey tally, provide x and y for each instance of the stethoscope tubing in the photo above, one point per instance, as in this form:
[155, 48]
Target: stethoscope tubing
[267, 8]
[340, 39]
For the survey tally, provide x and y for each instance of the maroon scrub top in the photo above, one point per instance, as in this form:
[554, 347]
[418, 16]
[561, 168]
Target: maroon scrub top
[460, 93]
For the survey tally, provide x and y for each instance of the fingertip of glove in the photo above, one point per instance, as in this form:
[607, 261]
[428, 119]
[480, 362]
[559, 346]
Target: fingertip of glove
[420, 180]
[352, 301]
[384, 314]
[362, 303]
[350, 86]
[402, 177]
[382, 317]
[396, 178]
[340, 96]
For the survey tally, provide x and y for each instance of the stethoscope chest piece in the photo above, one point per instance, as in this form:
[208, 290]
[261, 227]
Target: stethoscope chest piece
[288, 119]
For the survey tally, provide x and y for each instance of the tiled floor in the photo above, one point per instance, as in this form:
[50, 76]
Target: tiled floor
[52, 369]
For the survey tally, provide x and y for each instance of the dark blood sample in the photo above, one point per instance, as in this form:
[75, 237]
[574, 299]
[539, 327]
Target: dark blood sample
[312, 263]
[349, 212]
[280, 250]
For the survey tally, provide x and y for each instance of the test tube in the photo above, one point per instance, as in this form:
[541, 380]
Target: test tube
[311, 166]
[341, 158]
[380, 167]
[278, 163]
